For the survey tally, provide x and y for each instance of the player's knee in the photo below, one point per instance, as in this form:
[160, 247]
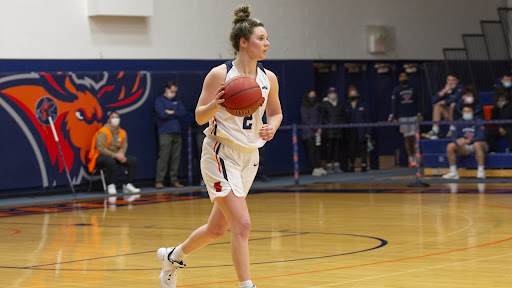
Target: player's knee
[218, 230]
[243, 228]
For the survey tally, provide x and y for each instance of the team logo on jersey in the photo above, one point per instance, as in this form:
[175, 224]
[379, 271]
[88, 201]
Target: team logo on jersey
[264, 88]
[407, 96]
[77, 104]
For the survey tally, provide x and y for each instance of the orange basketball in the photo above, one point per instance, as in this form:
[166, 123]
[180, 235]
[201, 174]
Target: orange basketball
[242, 96]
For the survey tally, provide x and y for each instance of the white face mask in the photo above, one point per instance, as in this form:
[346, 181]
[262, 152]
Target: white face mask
[115, 122]
[171, 95]
[332, 96]
[467, 116]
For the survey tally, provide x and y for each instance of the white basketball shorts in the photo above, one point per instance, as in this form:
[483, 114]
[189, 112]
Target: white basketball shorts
[225, 169]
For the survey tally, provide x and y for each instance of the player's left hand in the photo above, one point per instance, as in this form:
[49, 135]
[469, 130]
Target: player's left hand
[267, 132]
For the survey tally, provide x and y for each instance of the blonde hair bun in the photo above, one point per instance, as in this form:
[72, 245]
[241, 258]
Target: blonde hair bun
[242, 13]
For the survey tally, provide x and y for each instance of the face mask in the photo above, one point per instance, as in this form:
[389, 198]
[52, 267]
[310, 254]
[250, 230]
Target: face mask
[453, 86]
[507, 84]
[332, 96]
[467, 116]
[115, 121]
[404, 82]
[469, 100]
[503, 103]
[171, 95]
[312, 99]
[353, 98]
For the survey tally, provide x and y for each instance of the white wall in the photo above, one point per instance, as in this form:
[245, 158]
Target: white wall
[199, 29]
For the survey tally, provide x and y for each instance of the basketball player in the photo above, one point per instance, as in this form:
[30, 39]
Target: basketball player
[229, 160]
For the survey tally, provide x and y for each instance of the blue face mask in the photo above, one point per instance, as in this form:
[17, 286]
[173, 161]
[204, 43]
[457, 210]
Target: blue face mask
[467, 116]
[507, 84]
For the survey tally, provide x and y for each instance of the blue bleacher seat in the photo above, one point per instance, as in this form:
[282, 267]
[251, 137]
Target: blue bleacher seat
[486, 98]
[434, 156]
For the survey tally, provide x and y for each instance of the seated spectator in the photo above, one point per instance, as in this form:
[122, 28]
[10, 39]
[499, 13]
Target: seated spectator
[467, 138]
[502, 110]
[310, 115]
[505, 87]
[357, 138]
[406, 108]
[468, 98]
[108, 149]
[443, 104]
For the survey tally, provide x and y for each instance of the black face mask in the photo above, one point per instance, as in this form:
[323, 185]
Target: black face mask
[404, 82]
[354, 98]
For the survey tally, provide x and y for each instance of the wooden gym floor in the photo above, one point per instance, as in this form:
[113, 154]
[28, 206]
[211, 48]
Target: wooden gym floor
[318, 235]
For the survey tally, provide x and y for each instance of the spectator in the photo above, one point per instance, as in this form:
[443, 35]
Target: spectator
[443, 105]
[406, 108]
[311, 137]
[467, 138]
[357, 138]
[108, 149]
[502, 110]
[468, 98]
[505, 87]
[332, 112]
[168, 112]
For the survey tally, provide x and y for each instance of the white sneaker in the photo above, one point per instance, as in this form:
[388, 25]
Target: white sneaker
[480, 174]
[337, 168]
[111, 189]
[129, 188]
[316, 172]
[322, 171]
[451, 175]
[169, 275]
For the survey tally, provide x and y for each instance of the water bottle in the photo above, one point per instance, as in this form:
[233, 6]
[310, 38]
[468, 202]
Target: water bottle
[318, 140]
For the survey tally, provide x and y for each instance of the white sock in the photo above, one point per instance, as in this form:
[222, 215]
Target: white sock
[411, 159]
[435, 129]
[245, 284]
[480, 168]
[178, 255]
[453, 169]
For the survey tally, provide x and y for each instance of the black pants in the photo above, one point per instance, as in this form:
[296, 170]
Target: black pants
[108, 164]
[357, 148]
[313, 152]
[332, 149]
[494, 133]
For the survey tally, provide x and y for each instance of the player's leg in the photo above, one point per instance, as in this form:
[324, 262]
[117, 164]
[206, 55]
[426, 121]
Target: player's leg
[237, 214]
[204, 235]
[451, 152]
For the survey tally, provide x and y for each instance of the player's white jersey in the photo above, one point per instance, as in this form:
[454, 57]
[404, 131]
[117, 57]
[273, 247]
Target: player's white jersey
[240, 133]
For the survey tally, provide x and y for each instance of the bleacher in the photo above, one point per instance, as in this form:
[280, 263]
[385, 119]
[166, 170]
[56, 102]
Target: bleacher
[497, 164]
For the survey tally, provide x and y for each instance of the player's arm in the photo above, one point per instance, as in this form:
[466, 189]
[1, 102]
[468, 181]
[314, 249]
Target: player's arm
[209, 101]
[274, 112]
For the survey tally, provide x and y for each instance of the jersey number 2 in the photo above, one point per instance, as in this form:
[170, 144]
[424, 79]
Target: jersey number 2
[246, 124]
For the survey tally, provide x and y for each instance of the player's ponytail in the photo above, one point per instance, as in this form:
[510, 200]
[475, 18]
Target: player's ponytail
[243, 26]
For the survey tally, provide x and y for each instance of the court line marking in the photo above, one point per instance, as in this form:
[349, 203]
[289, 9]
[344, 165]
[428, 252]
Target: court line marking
[356, 266]
[16, 231]
[412, 270]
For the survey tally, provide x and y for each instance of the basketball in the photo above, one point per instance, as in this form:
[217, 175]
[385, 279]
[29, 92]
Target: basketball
[242, 96]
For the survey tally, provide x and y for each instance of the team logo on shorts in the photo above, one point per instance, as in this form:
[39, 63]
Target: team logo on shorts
[217, 187]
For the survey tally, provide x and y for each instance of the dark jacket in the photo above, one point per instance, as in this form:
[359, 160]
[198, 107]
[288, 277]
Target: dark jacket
[167, 123]
[310, 115]
[358, 114]
[504, 113]
[499, 89]
[406, 102]
[449, 98]
[477, 109]
[474, 132]
[331, 114]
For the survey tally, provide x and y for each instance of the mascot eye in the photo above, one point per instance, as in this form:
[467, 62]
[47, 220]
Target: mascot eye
[79, 115]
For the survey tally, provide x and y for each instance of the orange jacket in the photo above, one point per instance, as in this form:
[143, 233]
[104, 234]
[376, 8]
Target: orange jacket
[94, 153]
